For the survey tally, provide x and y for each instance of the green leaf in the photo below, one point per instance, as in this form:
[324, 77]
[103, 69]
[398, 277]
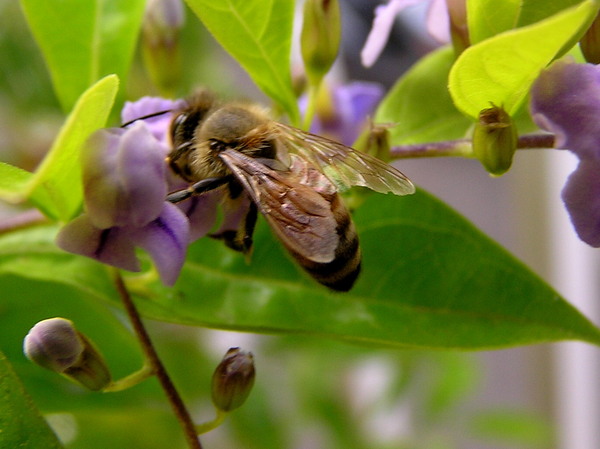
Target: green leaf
[420, 106]
[257, 33]
[487, 18]
[430, 280]
[535, 10]
[501, 69]
[21, 424]
[13, 181]
[55, 187]
[83, 41]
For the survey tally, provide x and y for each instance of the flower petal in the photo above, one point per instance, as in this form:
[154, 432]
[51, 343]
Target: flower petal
[234, 213]
[159, 124]
[438, 23]
[124, 177]
[110, 246]
[352, 105]
[581, 195]
[382, 27]
[165, 239]
[201, 212]
[355, 102]
[565, 100]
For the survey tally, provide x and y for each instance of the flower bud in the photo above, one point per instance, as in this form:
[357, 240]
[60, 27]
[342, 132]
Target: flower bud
[55, 344]
[233, 379]
[160, 43]
[590, 42]
[495, 140]
[320, 38]
[375, 140]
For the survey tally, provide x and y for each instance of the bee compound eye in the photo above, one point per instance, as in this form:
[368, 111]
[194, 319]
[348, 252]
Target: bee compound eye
[217, 145]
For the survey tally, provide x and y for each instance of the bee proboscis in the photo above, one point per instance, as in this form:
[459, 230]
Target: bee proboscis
[292, 177]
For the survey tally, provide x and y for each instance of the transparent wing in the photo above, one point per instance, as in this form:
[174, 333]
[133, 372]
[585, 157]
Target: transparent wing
[344, 166]
[300, 217]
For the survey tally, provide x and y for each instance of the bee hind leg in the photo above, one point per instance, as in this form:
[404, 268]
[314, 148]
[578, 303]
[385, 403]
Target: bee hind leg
[241, 238]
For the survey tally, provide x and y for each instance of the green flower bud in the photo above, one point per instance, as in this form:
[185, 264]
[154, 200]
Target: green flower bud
[495, 140]
[590, 42]
[56, 345]
[160, 43]
[375, 140]
[233, 379]
[320, 38]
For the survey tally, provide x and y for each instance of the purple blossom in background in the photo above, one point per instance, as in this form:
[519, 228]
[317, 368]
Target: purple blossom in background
[385, 15]
[352, 104]
[565, 100]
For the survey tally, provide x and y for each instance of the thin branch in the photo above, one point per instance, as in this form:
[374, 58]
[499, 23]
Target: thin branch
[462, 147]
[165, 381]
[535, 141]
[30, 217]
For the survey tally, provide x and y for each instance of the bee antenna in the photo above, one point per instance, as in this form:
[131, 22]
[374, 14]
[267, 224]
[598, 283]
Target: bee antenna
[144, 117]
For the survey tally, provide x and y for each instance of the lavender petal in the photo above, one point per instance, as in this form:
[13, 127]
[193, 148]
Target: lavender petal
[581, 195]
[110, 246]
[165, 239]
[565, 100]
[123, 177]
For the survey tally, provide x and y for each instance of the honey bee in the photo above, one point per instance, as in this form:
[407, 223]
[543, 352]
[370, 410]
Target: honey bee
[292, 177]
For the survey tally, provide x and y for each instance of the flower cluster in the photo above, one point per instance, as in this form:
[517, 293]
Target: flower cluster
[125, 186]
[565, 100]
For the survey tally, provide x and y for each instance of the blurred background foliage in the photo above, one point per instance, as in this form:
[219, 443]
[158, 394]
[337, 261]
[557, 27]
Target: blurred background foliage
[309, 393]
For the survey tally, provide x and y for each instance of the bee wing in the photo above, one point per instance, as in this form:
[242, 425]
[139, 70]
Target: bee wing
[299, 215]
[344, 166]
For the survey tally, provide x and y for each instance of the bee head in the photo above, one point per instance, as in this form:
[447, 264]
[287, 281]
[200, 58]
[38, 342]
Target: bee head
[229, 127]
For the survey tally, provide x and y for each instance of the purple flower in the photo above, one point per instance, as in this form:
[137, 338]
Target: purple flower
[385, 15]
[125, 186]
[159, 124]
[565, 100]
[352, 104]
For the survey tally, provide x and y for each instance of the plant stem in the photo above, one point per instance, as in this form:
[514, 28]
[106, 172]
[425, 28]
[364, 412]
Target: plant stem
[210, 425]
[158, 368]
[130, 381]
[458, 147]
[311, 105]
[31, 217]
[462, 147]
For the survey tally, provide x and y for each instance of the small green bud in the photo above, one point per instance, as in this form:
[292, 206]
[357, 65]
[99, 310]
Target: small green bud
[233, 379]
[56, 345]
[320, 37]
[375, 140]
[163, 21]
[495, 140]
[590, 42]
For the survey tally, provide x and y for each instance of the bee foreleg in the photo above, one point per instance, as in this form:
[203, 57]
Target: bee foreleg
[197, 188]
